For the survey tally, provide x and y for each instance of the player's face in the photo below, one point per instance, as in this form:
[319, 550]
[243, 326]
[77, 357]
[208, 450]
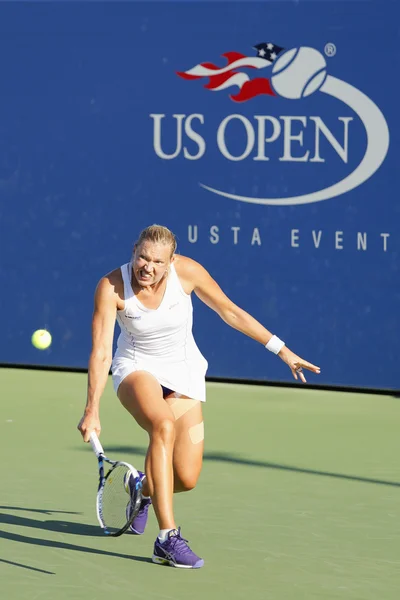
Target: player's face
[150, 262]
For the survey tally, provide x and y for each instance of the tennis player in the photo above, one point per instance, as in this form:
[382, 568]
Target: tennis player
[159, 373]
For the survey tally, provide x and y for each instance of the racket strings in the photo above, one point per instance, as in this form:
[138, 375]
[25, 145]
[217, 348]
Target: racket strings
[116, 499]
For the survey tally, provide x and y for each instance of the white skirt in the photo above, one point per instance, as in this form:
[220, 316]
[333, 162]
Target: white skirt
[184, 377]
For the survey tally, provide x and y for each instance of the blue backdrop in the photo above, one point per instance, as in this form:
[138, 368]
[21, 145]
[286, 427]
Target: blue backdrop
[280, 176]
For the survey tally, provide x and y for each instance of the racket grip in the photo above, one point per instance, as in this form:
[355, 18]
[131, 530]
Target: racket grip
[97, 447]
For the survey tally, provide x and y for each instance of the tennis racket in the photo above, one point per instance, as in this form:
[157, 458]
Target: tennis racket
[119, 493]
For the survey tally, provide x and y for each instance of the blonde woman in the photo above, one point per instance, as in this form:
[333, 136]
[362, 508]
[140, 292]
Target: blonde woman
[159, 373]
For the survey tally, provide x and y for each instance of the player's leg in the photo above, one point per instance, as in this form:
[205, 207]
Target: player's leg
[187, 459]
[189, 441]
[141, 395]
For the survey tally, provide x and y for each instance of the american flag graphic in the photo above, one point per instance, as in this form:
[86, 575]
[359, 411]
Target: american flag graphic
[221, 78]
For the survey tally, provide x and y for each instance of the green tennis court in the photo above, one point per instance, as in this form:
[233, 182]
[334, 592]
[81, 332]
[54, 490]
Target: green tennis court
[298, 499]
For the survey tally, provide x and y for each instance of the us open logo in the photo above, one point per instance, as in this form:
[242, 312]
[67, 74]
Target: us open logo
[292, 74]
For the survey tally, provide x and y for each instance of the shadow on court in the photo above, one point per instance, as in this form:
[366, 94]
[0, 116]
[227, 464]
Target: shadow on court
[51, 525]
[229, 458]
[15, 564]
[58, 527]
[42, 511]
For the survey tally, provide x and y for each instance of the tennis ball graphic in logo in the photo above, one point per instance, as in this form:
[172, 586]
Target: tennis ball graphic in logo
[299, 72]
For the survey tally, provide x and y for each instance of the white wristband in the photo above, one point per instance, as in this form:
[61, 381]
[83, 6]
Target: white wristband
[275, 345]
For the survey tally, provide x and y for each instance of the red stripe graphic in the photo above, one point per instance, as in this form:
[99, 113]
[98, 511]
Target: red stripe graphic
[232, 70]
[217, 80]
[254, 88]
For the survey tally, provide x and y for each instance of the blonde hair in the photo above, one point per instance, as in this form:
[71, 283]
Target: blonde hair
[158, 234]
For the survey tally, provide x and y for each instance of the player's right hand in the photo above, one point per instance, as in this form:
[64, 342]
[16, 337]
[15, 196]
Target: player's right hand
[87, 424]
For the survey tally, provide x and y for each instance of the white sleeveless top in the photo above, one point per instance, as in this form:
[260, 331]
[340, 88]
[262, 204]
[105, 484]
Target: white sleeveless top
[160, 340]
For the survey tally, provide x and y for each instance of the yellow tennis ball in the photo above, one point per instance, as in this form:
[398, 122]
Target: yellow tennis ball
[41, 339]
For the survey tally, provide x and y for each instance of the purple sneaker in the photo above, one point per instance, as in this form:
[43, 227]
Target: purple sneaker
[175, 552]
[139, 522]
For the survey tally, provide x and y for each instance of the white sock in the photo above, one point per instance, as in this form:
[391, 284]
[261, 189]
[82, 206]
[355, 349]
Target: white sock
[162, 536]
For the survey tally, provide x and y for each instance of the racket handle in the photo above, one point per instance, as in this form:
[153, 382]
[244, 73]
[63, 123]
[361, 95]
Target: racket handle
[97, 447]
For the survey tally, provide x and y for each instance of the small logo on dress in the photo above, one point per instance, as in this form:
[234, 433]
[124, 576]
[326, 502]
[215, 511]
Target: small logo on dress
[173, 305]
[133, 317]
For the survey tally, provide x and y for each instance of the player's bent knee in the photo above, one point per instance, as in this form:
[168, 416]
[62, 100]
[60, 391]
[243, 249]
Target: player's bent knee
[185, 484]
[164, 429]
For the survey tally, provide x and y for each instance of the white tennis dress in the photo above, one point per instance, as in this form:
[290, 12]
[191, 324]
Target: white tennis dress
[160, 340]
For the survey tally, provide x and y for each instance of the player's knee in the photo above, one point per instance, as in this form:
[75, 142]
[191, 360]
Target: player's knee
[164, 430]
[185, 483]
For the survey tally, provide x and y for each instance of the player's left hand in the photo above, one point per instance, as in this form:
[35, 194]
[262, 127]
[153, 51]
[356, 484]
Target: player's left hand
[296, 364]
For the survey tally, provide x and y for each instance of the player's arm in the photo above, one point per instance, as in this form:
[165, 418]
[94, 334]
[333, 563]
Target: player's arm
[207, 289]
[103, 323]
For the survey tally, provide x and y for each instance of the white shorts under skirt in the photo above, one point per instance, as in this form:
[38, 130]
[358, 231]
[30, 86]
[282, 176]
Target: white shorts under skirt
[186, 377]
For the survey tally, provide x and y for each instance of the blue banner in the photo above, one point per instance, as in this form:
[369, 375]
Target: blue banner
[264, 134]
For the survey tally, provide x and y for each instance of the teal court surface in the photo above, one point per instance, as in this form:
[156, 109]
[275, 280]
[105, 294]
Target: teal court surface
[299, 497]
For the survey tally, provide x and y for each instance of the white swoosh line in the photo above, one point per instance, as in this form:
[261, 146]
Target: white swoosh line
[377, 147]
[258, 63]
